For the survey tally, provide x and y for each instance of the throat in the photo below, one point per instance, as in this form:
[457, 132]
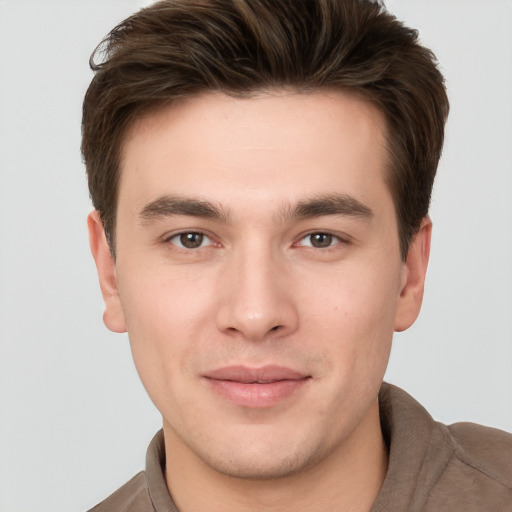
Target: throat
[349, 476]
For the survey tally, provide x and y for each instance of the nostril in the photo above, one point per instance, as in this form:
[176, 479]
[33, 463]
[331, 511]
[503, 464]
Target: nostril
[275, 328]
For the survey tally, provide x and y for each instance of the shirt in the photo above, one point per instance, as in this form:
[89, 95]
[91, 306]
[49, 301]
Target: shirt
[432, 467]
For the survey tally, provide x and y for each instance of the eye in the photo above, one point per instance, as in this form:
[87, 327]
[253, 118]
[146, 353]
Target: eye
[190, 240]
[319, 240]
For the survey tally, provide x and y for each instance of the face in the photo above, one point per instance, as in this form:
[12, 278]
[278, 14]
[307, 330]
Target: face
[258, 274]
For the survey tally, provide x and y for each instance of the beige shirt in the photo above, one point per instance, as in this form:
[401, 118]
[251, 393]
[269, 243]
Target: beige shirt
[432, 467]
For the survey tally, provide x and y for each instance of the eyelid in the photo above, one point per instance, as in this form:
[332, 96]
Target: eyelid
[169, 237]
[340, 238]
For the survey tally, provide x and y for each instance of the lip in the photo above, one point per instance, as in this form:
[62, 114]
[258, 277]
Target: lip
[261, 387]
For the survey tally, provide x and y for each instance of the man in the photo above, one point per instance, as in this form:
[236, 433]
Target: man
[261, 173]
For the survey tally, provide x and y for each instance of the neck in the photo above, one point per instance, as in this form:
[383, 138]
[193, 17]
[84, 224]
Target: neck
[349, 478]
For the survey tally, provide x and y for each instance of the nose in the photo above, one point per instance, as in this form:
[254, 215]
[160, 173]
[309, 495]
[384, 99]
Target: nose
[257, 300]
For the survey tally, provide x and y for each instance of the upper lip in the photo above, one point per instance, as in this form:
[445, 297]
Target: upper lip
[247, 374]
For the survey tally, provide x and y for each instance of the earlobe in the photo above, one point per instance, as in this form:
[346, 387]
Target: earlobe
[414, 271]
[113, 317]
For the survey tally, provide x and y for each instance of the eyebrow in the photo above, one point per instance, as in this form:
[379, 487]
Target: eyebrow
[168, 206]
[318, 206]
[332, 204]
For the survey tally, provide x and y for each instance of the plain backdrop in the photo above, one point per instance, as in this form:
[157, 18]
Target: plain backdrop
[74, 419]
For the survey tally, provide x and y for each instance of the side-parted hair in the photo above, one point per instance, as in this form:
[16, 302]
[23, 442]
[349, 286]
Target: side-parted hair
[181, 48]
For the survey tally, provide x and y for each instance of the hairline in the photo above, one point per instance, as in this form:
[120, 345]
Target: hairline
[157, 106]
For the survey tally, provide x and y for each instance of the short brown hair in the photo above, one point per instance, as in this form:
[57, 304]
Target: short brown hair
[178, 48]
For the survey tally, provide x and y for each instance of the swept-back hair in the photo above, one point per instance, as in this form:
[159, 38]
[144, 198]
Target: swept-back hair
[180, 48]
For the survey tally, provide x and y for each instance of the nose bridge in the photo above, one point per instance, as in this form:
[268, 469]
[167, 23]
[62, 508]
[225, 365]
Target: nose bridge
[257, 301]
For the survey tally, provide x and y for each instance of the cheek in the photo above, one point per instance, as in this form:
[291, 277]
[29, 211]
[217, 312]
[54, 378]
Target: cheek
[166, 322]
[359, 298]
[372, 319]
[355, 311]
[165, 301]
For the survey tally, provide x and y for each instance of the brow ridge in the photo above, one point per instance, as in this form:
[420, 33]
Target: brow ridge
[330, 204]
[168, 206]
[318, 206]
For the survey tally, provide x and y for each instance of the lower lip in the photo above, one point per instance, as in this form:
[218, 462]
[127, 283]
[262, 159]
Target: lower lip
[257, 395]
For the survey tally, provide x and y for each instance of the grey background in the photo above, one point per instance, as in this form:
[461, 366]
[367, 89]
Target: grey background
[74, 419]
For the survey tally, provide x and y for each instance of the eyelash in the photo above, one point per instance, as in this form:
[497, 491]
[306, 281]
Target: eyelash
[180, 238]
[332, 239]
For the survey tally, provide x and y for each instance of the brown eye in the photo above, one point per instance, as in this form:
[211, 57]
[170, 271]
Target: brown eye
[321, 240]
[190, 240]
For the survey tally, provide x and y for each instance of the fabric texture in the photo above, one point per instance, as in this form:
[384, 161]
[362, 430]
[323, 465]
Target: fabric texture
[432, 467]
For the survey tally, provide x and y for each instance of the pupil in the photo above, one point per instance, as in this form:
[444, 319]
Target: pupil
[191, 240]
[321, 240]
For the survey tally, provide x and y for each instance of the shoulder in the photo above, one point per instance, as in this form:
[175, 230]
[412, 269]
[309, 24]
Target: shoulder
[435, 467]
[487, 450]
[133, 496]
[478, 474]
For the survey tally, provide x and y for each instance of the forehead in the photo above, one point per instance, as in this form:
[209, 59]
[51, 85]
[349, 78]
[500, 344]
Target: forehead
[241, 149]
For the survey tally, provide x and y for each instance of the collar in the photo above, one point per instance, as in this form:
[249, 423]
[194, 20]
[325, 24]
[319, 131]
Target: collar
[419, 449]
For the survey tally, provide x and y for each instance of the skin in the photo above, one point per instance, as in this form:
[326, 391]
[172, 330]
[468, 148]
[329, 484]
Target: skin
[269, 283]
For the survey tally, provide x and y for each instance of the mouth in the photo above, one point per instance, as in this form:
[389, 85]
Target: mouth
[261, 387]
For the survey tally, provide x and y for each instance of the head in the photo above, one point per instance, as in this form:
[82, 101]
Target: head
[182, 48]
[262, 173]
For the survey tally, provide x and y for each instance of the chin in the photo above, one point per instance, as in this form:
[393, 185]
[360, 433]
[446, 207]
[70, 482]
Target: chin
[262, 460]
[262, 468]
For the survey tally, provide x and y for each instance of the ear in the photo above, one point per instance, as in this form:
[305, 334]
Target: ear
[113, 317]
[413, 277]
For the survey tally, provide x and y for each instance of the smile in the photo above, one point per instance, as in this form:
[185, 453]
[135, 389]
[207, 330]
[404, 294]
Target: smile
[256, 387]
